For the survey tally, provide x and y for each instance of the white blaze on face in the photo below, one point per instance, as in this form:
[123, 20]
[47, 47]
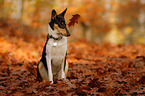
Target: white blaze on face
[59, 30]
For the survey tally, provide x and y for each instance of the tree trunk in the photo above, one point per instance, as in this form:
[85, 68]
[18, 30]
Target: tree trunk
[1, 8]
[19, 9]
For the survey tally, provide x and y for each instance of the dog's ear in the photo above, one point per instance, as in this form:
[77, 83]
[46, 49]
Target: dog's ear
[53, 14]
[63, 13]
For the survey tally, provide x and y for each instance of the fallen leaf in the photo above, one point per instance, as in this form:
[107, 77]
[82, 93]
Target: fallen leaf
[29, 90]
[142, 80]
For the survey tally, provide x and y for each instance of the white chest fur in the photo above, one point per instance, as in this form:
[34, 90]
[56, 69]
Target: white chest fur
[56, 49]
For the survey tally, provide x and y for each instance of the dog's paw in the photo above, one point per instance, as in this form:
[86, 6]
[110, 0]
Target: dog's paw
[63, 75]
[51, 82]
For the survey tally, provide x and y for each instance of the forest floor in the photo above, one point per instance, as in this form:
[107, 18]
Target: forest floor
[94, 69]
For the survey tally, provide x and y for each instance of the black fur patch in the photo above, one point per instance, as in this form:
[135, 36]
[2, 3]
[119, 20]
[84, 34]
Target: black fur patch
[43, 60]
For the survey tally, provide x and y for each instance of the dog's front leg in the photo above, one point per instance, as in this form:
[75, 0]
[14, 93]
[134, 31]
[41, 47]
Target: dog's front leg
[61, 72]
[49, 66]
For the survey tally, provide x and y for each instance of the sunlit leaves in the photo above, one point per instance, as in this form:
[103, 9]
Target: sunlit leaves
[94, 69]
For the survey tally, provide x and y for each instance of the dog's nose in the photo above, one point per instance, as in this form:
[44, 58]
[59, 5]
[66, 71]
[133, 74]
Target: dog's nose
[68, 34]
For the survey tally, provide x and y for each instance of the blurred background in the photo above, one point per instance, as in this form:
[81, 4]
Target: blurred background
[113, 21]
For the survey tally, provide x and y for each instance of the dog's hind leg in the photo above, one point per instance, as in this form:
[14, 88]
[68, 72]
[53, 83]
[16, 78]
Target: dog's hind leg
[66, 68]
[42, 71]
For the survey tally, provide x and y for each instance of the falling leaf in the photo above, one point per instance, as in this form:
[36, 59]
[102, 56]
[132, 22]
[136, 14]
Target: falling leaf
[74, 20]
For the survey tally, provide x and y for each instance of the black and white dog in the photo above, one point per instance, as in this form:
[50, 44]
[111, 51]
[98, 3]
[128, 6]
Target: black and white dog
[53, 64]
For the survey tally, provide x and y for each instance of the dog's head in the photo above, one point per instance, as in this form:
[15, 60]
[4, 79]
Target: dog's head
[58, 23]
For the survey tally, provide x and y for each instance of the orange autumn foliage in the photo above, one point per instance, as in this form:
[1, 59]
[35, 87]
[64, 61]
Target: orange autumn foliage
[94, 69]
[93, 15]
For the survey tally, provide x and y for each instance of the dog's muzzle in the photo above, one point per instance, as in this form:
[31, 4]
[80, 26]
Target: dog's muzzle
[68, 34]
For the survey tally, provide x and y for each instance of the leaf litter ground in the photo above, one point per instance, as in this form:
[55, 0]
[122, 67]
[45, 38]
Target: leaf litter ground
[94, 69]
